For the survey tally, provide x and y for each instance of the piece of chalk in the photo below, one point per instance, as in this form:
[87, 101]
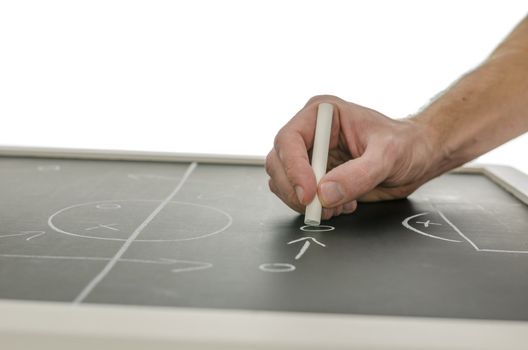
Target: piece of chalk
[323, 127]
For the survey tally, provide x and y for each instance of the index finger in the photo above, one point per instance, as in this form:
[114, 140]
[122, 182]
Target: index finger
[292, 144]
[292, 152]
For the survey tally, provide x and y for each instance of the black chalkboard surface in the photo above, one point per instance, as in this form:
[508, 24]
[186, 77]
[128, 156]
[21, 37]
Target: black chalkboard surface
[213, 236]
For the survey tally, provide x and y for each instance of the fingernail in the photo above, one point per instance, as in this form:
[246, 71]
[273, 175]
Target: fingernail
[300, 193]
[331, 194]
[327, 214]
[349, 207]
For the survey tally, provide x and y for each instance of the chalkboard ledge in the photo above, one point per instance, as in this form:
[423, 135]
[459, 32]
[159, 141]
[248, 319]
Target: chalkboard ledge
[44, 325]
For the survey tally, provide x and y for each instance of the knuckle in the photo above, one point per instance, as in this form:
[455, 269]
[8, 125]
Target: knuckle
[271, 186]
[292, 199]
[327, 213]
[276, 140]
[269, 163]
[287, 196]
[289, 170]
[392, 148]
[291, 167]
[321, 98]
[279, 140]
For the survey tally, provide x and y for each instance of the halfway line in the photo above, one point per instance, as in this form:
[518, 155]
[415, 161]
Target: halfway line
[88, 289]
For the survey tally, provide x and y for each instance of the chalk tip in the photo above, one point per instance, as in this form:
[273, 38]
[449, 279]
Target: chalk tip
[312, 222]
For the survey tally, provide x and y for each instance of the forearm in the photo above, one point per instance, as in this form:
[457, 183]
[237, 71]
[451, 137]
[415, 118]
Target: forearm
[484, 109]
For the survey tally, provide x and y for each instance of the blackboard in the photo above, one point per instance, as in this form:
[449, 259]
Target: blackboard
[213, 236]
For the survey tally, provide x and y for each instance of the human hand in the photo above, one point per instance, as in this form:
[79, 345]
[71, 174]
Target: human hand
[371, 158]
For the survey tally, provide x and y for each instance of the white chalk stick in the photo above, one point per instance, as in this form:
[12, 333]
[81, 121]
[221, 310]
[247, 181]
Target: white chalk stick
[323, 127]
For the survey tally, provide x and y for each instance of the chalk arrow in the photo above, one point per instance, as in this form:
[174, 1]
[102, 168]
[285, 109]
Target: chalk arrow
[187, 265]
[177, 265]
[305, 246]
[25, 233]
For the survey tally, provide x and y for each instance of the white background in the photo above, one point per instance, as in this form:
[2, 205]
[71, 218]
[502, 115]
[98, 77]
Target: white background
[223, 76]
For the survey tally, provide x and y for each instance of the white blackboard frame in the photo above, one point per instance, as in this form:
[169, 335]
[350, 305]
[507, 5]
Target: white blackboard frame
[49, 325]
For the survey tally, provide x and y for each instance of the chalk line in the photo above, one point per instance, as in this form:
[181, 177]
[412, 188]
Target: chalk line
[406, 224]
[303, 250]
[37, 234]
[456, 229]
[108, 226]
[197, 265]
[305, 246]
[475, 246]
[14, 235]
[25, 233]
[305, 238]
[112, 201]
[97, 279]
[504, 251]
[54, 257]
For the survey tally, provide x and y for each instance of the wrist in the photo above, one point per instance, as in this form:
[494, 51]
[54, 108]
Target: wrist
[429, 142]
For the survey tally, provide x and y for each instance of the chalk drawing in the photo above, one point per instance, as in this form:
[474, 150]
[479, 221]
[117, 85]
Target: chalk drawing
[34, 234]
[25, 233]
[320, 228]
[306, 245]
[45, 168]
[277, 267]
[106, 226]
[108, 267]
[285, 267]
[427, 223]
[108, 206]
[14, 234]
[474, 245]
[112, 204]
[406, 224]
[191, 265]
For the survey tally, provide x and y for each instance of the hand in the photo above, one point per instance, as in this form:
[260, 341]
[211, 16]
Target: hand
[371, 158]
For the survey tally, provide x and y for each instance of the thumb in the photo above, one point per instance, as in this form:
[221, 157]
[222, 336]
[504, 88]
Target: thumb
[351, 180]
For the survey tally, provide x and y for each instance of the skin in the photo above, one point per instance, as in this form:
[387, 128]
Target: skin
[373, 157]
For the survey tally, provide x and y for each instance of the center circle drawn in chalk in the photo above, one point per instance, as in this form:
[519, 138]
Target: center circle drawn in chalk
[117, 220]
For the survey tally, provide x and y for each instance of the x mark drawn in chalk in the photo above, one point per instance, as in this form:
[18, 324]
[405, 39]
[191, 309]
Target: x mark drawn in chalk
[427, 223]
[107, 226]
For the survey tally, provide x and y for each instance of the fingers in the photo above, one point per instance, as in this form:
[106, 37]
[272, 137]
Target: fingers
[346, 208]
[279, 183]
[383, 151]
[351, 180]
[291, 177]
[381, 193]
[288, 163]
[294, 162]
